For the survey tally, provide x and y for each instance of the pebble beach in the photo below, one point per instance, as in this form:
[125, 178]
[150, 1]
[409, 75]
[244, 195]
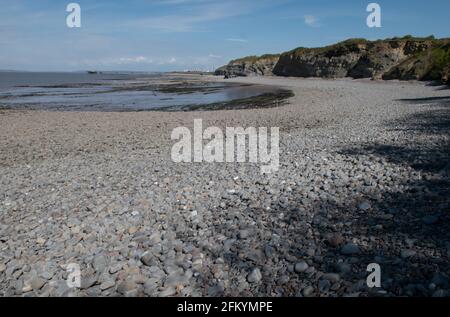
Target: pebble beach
[364, 178]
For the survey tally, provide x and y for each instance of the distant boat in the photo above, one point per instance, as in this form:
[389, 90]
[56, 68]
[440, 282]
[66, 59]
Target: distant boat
[93, 72]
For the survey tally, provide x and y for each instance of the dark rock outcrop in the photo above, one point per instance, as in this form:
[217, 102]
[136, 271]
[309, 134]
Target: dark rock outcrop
[249, 66]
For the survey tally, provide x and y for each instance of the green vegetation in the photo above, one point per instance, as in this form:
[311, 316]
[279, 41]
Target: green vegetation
[433, 64]
[351, 44]
[254, 58]
[439, 64]
[410, 38]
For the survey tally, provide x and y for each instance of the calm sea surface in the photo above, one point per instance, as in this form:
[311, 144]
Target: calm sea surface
[115, 91]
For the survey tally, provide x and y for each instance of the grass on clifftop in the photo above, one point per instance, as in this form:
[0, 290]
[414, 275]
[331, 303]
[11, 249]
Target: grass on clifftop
[254, 58]
[354, 42]
[410, 38]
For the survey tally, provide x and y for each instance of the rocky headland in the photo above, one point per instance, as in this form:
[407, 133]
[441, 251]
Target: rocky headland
[406, 58]
[250, 66]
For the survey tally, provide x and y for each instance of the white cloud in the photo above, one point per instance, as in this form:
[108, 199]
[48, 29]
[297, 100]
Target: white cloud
[311, 20]
[111, 61]
[184, 61]
[191, 15]
[237, 40]
[183, 23]
[180, 2]
[131, 60]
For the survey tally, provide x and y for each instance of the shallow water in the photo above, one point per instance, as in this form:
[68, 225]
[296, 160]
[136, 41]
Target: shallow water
[115, 92]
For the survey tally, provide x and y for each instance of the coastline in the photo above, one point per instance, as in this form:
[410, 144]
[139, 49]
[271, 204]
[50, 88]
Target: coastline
[100, 187]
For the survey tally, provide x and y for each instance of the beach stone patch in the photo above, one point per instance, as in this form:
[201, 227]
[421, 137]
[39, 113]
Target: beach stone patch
[127, 288]
[301, 267]
[364, 206]
[350, 249]
[407, 253]
[255, 276]
[358, 183]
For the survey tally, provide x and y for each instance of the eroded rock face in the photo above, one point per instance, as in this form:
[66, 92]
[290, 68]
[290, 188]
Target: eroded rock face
[249, 66]
[432, 64]
[352, 58]
[399, 58]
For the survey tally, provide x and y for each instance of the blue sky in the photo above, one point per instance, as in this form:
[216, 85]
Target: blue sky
[162, 35]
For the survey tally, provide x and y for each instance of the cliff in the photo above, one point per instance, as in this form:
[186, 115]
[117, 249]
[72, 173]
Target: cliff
[433, 64]
[397, 58]
[249, 66]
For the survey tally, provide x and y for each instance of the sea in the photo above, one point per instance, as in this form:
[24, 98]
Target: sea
[116, 91]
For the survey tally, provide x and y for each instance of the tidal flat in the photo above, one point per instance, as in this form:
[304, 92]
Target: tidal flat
[130, 92]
